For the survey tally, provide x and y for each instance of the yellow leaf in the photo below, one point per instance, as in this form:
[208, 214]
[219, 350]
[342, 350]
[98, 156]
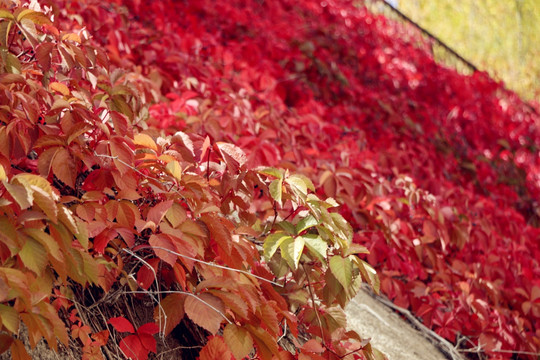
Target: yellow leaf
[35, 180]
[145, 141]
[72, 37]
[3, 175]
[9, 318]
[35, 16]
[174, 169]
[5, 14]
[176, 215]
[22, 195]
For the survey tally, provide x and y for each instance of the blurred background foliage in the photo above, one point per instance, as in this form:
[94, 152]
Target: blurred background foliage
[501, 37]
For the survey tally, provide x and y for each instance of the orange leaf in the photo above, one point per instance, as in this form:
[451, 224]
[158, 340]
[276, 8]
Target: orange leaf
[18, 352]
[220, 234]
[238, 340]
[205, 310]
[266, 345]
[173, 306]
[233, 301]
[126, 215]
[268, 317]
[123, 155]
[101, 337]
[121, 124]
[145, 141]
[59, 87]
[64, 167]
[214, 349]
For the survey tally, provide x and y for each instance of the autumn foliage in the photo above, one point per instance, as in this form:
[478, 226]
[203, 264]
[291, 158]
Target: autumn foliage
[236, 166]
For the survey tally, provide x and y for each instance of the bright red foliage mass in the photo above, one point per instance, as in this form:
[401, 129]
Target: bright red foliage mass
[438, 173]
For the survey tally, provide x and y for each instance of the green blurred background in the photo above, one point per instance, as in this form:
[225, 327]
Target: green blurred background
[501, 37]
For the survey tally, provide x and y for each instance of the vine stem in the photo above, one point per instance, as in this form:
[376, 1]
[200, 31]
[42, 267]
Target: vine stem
[182, 293]
[211, 264]
[312, 296]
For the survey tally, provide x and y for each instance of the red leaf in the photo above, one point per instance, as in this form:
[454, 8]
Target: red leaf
[133, 348]
[156, 213]
[5, 342]
[148, 342]
[121, 324]
[150, 328]
[101, 241]
[145, 275]
[160, 242]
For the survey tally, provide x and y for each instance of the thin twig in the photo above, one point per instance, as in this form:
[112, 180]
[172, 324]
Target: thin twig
[161, 310]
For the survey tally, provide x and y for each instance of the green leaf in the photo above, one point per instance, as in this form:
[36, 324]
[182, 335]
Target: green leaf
[288, 227]
[278, 174]
[306, 223]
[276, 190]
[291, 251]
[345, 229]
[34, 256]
[342, 270]
[272, 242]
[316, 245]
[47, 241]
[298, 186]
[368, 273]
